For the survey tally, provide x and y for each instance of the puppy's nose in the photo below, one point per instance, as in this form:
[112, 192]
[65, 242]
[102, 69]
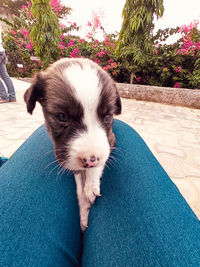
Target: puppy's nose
[90, 162]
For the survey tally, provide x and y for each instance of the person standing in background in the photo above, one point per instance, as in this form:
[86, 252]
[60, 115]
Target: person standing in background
[9, 95]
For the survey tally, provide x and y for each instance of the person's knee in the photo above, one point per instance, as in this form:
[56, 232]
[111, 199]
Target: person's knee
[3, 71]
[4, 75]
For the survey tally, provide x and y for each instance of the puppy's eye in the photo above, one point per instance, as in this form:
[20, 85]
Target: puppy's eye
[107, 119]
[62, 117]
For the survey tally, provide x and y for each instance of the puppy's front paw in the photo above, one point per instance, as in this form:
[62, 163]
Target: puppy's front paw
[91, 192]
[84, 213]
[84, 225]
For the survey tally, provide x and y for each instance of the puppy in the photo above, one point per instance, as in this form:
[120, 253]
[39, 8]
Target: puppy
[79, 100]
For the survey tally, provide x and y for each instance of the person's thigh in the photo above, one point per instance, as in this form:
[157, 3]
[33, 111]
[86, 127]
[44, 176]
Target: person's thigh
[141, 219]
[39, 216]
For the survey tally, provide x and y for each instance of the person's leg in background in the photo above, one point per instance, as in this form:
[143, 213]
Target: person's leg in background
[39, 215]
[8, 82]
[141, 219]
[3, 93]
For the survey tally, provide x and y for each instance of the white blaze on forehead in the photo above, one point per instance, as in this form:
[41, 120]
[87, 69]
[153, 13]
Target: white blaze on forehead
[94, 141]
[85, 81]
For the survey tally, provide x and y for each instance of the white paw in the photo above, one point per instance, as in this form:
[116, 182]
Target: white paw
[91, 192]
[84, 213]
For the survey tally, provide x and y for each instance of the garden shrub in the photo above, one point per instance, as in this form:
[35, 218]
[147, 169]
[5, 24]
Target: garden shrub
[20, 50]
[177, 64]
[173, 65]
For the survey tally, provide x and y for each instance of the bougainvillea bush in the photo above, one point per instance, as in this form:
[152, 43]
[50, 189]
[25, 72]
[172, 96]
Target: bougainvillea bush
[20, 49]
[174, 65]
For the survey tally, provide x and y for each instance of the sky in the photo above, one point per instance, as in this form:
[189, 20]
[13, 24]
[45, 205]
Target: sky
[177, 12]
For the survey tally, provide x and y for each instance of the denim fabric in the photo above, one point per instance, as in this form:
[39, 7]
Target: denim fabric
[140, 220]
[8, 82]
[2, 161]
[39, 216]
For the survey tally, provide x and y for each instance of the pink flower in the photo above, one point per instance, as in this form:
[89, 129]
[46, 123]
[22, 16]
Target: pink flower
[100, 54]
[74, 53]
[97, 22]
[177, 85]
[81, 41]
[89, 35]
[106, 39]
[178, 69]
[138, 79]
[114, 65]
[97, 60]
[29, 46]
[62, 26]
[61, 46]
[89, 24]
[71, 43]
[62, 36]
[31, 14]
[24, 7]
[198, 46]
[56, 5]
[13, 32]
[25, 32]
[189, 46]
[107, 67]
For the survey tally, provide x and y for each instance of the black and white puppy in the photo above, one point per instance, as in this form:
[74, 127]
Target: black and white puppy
[79, 100]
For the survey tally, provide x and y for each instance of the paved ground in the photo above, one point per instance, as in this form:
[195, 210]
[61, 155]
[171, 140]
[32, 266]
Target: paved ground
[172, 133]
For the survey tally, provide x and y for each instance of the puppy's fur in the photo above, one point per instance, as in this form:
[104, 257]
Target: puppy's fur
[79, 100]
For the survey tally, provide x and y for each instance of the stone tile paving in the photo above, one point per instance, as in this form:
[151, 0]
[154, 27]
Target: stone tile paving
[172, 133]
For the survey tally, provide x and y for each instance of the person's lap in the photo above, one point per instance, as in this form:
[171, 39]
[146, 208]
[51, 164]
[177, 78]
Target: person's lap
[140, 220]
[39, 224]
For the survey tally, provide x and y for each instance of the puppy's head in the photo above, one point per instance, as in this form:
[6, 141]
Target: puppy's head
[79, 100]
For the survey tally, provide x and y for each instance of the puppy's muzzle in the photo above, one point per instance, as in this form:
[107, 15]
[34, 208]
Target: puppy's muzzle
[90, 162]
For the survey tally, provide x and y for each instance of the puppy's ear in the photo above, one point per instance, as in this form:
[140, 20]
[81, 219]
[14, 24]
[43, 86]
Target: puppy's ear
[34, 93]
[118, 104]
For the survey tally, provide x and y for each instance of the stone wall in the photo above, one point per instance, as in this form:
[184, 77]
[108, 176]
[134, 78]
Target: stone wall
[166, 95]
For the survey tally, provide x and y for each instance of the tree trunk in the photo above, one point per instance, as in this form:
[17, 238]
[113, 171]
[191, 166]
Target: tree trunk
[132, 77]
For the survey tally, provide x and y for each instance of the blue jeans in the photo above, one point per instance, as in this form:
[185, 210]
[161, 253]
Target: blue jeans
[8, 82]
[141, 219]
